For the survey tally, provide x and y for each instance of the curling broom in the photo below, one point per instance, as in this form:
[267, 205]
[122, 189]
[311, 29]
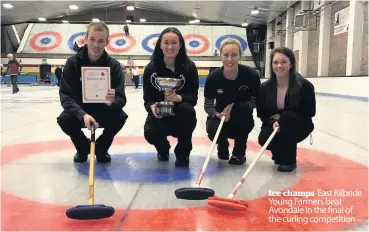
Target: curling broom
[229, 203]
[91, 211]
[197, 193]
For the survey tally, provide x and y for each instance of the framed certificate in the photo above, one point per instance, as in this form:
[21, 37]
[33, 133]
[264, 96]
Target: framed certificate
[95, 84]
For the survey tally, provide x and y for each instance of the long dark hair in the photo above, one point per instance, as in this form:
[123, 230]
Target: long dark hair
[158, 55]
[293, 82]
[287, 52]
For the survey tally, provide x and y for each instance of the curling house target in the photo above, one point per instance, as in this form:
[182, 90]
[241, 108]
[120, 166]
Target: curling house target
[120, 42]
[45, 41]
[149, 42]
[54, 206]
[196, 44]
[220, 40]
[77, 37]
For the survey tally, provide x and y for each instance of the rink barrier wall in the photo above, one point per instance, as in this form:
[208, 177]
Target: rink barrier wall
[354, 88]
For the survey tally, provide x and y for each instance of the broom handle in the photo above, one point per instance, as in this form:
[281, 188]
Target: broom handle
[91, 178]
[242, 180]
[202, 172]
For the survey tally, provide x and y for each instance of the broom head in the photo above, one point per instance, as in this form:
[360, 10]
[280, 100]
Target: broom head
[90, 212]
[194, 193]
[227, 204]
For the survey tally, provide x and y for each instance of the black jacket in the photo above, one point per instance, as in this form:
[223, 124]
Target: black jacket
[58, 72]
[70, 91]
[300, 99]
[189, 92]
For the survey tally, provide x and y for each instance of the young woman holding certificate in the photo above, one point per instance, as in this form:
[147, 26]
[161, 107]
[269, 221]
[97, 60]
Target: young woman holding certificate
[81, 109]
[170, 92]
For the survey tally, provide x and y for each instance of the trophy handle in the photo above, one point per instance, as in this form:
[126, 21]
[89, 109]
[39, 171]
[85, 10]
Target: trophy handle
[184, 82]
[153, 81]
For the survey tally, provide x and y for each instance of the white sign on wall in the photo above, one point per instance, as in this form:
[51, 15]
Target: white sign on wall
[341, 22]
[315, 4]
[296, 41]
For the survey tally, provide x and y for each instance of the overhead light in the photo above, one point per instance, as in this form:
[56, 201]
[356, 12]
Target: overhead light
[128, 21]
[73, 7]
[64, 21]
[41, 19]
[7, 6]
[255, 12]
[95, 20]
[130, 8]
[244, 24]
[192, 21]
[142, 20]
[197, 20]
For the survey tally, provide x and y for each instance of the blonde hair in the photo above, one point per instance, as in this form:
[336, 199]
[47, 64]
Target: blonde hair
[231, 41]
[98, 26]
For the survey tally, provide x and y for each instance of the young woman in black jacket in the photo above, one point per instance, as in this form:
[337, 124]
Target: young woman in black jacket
[231, 91]
[287, 101]
[170, 60]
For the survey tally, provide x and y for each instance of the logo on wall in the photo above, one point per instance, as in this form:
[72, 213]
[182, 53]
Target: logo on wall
[149, 42]
[120, 42]
[196, 44]
[45, 41]
[77, 37]
[220, 40]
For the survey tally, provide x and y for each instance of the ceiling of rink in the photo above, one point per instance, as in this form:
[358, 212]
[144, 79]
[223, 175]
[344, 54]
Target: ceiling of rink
[230, 12]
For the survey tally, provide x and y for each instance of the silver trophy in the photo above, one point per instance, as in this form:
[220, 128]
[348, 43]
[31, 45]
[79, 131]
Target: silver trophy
[165, 108]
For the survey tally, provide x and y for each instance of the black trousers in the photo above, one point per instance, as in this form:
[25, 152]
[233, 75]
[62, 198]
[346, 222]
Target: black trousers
[292, 130]
[135, 80]
[14, 80]
[111, 120]
[58, 80]
[238, 128]
[180, 126]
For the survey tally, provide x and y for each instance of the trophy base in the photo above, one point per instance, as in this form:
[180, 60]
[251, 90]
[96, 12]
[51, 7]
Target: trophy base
[165, 109]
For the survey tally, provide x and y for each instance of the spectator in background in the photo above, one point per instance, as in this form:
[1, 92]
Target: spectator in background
[58, 74]
[75, 47]
[14, 68]
[126, 29]
[130, 62]
[136, 75]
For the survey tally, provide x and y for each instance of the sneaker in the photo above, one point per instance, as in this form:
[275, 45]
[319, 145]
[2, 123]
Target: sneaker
[237, 160]
[78, 158]
[287, 168]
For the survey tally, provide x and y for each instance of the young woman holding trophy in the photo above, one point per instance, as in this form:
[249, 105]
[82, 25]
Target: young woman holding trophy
[170, 92]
